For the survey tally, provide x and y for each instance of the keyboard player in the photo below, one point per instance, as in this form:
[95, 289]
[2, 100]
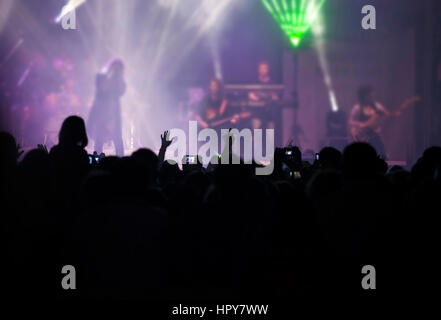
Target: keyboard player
[265, 116]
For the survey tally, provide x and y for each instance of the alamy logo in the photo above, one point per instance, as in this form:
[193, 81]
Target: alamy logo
[209, 152]
[368, 281]
[369, 20]
[69, 280]
[69, 20]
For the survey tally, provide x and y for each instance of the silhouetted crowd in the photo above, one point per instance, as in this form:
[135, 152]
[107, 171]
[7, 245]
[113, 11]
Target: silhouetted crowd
[139, 227]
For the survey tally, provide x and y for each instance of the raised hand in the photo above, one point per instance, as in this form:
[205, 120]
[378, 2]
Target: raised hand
[165, 141]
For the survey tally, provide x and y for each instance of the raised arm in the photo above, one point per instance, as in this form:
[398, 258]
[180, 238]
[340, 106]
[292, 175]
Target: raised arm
[165, 143]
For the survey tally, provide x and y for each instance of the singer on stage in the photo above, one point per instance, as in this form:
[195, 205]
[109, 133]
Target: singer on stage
[104, 122]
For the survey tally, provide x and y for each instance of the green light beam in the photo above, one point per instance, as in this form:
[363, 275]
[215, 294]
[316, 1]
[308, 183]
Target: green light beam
[294, 17]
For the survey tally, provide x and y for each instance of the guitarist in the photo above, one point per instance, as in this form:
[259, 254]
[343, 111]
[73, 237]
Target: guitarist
[213, 106]
[362, 119]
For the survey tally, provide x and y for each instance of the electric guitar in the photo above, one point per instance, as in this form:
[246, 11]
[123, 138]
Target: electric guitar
[232, 119]
[363, 132]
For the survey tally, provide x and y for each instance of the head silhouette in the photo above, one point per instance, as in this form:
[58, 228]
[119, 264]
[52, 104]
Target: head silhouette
[263, 68]
[115, 68]
[365, 94]
[73, 132]
[8, 149]
[330, 158]
[359, 160]
[216, 88]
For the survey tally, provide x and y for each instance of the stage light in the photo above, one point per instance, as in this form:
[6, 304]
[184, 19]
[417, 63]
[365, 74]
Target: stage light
[68, 7]
[213, 42]
[320, 47]
[155, 39]
[294, 17]
[333, 100]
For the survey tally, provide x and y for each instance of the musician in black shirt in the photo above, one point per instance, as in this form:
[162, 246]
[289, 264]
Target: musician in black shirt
[265, 116]
[214, 106]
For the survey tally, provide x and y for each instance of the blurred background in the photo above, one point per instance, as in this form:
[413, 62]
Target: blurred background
[172, 48]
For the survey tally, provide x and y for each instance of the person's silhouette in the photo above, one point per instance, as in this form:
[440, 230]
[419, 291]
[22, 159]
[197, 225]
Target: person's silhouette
[104, 123]
[69, 157]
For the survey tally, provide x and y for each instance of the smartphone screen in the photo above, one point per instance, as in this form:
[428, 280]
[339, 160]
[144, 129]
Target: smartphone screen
[295, 174]
[190, 159]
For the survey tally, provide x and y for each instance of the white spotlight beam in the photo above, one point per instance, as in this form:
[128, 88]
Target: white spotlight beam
[319, 43]
[68, 7]
[212, 17]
